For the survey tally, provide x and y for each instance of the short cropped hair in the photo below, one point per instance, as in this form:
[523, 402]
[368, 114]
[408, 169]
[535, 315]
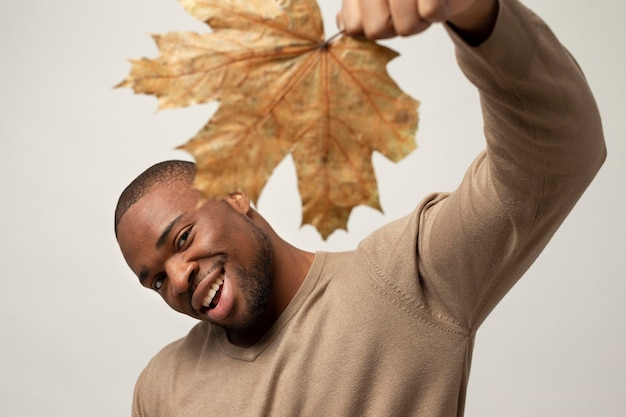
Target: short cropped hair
[161, 173]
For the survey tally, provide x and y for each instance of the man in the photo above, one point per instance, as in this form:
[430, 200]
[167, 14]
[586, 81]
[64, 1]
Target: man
[387, 329]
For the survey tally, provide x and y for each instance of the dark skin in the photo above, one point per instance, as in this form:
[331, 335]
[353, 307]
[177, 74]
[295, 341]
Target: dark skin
[181, 249]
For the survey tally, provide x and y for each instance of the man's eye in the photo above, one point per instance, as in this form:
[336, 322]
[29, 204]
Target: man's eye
[157, 283]
[182, 239]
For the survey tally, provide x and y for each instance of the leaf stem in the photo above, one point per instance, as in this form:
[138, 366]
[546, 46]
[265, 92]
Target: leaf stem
[331, 39]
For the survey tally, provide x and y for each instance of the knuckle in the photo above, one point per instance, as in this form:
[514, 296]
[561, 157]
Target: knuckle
[432, 10]
[351, 26]
[379, 29]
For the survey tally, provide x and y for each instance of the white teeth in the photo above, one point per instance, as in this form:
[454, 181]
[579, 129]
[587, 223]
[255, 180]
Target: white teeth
[214, 289]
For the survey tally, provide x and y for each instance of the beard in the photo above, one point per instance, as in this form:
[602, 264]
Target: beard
[255, 283]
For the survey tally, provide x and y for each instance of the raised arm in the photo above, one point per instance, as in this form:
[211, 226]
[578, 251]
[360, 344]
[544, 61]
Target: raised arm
[544, 146]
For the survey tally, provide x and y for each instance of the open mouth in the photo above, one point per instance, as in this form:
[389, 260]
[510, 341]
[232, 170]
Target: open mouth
[213, 297]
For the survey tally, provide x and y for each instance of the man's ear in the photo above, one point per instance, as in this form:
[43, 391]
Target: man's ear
[239, 201]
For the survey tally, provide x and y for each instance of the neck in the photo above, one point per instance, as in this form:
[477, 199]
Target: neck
[290, 267]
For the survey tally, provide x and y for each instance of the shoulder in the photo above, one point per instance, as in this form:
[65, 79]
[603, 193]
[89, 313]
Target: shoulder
[153, 387]
[392, 252]
[399, 237]
[174, 355]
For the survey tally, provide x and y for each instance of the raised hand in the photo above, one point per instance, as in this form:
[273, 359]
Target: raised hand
[378, 19]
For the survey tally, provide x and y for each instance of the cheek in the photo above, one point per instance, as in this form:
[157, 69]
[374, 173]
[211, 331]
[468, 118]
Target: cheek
[231, 233]
[244, 245]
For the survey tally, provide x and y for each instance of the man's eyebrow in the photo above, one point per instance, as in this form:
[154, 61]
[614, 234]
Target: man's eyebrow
[167, 231]
[143, 275]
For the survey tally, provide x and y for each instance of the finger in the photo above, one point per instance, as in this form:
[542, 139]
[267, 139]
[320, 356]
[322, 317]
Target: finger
[406, 18]
[440, 10]
[376, 18]
[349, 18]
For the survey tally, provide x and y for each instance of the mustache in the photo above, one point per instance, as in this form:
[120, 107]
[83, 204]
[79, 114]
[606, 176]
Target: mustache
[219, 263]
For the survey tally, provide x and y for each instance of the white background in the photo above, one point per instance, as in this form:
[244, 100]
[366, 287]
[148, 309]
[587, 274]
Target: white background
[77, 328]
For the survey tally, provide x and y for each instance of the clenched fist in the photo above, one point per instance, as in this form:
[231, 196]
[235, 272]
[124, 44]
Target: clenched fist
[378, 19]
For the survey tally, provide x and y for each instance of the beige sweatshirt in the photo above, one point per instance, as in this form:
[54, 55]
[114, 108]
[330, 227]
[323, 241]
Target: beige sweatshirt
[388, 329]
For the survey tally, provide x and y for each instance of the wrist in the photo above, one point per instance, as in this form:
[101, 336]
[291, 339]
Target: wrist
[476, 23]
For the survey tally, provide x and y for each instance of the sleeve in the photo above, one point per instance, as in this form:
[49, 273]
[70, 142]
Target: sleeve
[544, 146]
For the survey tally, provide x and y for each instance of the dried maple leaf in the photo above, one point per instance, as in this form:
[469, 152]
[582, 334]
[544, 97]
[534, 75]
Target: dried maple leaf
[283, 89]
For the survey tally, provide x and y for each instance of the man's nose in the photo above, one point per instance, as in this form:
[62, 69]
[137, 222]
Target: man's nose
[180, 273]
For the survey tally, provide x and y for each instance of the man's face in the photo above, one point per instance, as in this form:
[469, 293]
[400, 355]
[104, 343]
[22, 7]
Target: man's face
[210, 262]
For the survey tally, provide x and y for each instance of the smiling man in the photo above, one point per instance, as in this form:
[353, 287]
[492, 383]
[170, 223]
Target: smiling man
[387, 329]
[219, 262]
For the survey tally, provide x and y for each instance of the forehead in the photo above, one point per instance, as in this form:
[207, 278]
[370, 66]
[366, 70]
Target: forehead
[149, 216]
